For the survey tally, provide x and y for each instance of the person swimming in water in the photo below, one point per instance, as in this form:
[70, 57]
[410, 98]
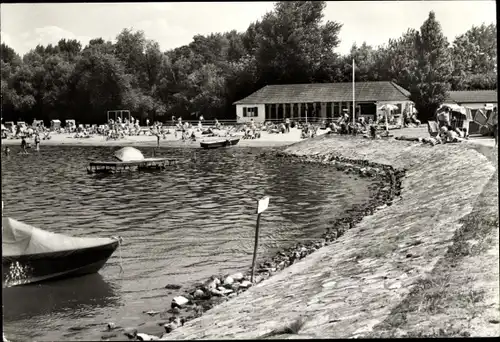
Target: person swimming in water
[37, 141]
[23, 145]
[7, 150]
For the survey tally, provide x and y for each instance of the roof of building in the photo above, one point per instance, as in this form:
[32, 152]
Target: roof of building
[473, 96]
[327, 92]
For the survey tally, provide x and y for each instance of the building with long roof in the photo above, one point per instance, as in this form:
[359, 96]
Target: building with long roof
[321, 101]
[473, 99]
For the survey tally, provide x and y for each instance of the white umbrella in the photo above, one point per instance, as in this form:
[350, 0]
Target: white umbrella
[387, 108]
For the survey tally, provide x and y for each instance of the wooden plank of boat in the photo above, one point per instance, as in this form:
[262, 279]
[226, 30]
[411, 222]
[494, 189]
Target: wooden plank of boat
[129, 163]
[219, 143]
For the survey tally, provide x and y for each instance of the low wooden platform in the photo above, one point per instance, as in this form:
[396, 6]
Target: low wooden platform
[119, 166]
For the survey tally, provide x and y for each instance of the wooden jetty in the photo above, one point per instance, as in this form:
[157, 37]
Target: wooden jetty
[131, 165]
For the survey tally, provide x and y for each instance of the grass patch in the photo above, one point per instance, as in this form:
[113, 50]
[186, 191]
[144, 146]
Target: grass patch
[448, 331]
[476, 227]
[445, 292]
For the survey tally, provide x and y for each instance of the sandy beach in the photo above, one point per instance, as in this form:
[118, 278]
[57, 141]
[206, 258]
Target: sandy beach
[266, 140]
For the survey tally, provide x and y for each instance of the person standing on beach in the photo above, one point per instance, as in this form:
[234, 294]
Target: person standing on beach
[287, 125]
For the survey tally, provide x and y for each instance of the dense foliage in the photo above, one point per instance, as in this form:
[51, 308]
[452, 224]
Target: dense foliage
[290, 44]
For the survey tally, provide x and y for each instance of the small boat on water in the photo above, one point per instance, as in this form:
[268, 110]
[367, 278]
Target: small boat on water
[219, 143]
[129, 159]
[31, 255]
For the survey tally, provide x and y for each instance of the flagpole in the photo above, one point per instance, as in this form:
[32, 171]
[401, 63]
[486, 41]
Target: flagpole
[353, 98]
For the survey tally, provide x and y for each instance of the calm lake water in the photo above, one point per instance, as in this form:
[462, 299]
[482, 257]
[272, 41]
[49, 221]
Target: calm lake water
[179, 227]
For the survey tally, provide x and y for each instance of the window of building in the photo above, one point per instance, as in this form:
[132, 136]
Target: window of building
[250, 112]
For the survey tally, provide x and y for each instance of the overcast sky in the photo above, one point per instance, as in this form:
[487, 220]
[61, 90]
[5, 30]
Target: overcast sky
[23, 26]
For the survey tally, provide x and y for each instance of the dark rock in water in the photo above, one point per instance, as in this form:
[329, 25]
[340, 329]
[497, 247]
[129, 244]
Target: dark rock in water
[173, 287]
[77, 328]
[212, 284]
[175, 323]
[106, 336]
[199, 294]
[174, 310]
[130, 332]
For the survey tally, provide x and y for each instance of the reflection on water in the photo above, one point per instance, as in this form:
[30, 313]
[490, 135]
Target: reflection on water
[179, 226]
[72, 298]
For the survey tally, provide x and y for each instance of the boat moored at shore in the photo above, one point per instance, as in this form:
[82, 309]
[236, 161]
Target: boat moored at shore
[31, 255]
[219, 143]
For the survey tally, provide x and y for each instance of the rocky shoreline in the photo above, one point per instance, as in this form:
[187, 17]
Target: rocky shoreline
[193, 302]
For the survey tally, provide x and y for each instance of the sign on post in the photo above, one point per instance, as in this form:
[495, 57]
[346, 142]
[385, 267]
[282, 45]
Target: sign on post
[262, 205]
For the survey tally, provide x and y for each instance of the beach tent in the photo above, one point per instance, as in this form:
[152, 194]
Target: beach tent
[481, 117]
[491, 117]
[462, 116]
[55, 124]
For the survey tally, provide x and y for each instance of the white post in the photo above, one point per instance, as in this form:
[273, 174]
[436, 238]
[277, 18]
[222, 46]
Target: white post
[353, 96]
[262, 205]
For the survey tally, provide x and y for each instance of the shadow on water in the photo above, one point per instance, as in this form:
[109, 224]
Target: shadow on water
[72, 296]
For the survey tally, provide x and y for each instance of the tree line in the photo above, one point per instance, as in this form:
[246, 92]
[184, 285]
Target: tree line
[290, 44]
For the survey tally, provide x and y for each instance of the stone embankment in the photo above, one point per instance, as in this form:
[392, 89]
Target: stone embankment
[352, 283]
